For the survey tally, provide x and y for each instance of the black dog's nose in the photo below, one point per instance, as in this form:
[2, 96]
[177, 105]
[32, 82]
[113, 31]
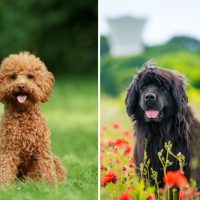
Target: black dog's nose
[150, 97]
[21, 87]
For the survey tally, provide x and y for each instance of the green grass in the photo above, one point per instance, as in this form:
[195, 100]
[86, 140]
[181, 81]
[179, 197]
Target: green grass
[113, 110]
[72, 116]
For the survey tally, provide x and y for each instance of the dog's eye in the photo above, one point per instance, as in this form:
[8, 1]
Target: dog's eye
[13, 76]
[144, 87]
[30, 76]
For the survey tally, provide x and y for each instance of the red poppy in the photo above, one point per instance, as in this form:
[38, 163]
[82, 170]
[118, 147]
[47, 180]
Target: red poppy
[112, 176]
[124, 168]
[186, 194]
[116, 126]
[132, 162]
[104, 181]
[117, 161]
[120, 142]
[128, 150]
[150, 197]
[127, 134]
[109, 177]
[196, 194]
[125, 196]
[175, 178]
[102, 167]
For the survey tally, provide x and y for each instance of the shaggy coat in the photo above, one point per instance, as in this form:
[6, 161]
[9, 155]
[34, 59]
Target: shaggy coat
[25, 150]
[178, 123]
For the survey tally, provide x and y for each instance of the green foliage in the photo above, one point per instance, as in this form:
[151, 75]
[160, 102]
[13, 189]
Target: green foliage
[72, 117]
[104, 48]
[177, 43]
[116, 72]
[62, 33]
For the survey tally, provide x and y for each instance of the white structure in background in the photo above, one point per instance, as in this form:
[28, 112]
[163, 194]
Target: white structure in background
[125, 36]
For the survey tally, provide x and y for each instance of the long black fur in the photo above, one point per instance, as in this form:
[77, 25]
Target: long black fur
[179, 125]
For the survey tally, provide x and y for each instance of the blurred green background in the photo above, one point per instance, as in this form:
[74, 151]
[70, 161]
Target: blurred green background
[180, 53]
[64, 35]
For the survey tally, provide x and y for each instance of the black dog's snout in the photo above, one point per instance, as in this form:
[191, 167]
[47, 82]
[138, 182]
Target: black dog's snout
[150, 97]
[21, 87]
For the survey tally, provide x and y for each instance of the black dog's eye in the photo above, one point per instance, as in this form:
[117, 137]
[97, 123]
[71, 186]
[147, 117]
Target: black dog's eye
[13, 76]
[30, 76]
[143, 87]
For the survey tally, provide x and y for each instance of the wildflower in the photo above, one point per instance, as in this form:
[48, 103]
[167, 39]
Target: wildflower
[102, 167]
[104, 181]
[124, 168]
[132, 162]
[116, 126]
[117, 161]
[175, 178]
[120, 142]
[127, 134]
[186, 194]
[112, 176]
[125, 196]
[150, 197]
[109, 177]
[196, 194]
[127, 150]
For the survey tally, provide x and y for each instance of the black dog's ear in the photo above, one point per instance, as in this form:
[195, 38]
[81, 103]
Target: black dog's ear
[132, 98]
[179, 93]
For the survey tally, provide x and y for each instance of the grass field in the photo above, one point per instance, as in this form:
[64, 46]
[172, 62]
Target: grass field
[113, 110]
[114, 124]
[72, 116]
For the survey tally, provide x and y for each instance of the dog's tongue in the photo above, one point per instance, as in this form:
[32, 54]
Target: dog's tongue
[21, 98]
[152, 114]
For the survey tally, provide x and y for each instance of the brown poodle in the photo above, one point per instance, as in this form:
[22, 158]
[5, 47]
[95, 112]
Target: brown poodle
[25, 150]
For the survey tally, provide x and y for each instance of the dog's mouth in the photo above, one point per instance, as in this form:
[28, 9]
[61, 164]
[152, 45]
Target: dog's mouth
[21, 97]
[152, 114]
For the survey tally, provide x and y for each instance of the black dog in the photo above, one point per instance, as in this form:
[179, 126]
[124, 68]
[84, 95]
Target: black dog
[158, 105]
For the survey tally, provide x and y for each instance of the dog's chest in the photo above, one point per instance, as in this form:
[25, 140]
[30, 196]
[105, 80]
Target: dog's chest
[22, 132]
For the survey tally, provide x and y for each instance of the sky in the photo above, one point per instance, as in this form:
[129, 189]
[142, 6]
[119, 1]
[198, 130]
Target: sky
[165, 19]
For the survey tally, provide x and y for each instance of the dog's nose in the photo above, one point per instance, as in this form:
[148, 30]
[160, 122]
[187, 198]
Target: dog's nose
[21, 86]
[150, 97]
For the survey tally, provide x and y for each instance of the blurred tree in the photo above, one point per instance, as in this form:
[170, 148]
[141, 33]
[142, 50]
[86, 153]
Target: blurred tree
[177, 43]
[180, 53]
[62, 33]
[104, 47]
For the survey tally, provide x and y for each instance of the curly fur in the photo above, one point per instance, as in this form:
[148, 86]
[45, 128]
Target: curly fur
[179, 125]
[25, 150]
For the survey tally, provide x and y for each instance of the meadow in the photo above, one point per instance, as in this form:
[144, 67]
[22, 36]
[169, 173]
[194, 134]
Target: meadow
[118, 176]
[72, 117]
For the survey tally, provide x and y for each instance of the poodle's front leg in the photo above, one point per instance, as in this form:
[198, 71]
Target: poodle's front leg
[42, 169]
[8, 168]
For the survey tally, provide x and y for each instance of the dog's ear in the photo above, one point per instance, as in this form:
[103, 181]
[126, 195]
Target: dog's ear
[47, 86]
[2, 86]
[132, 98]
[179, 93]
